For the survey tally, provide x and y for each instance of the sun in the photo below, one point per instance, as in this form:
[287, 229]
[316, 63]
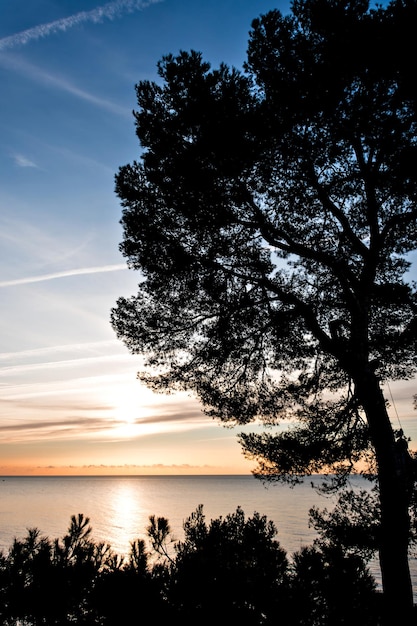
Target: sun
[132, 412]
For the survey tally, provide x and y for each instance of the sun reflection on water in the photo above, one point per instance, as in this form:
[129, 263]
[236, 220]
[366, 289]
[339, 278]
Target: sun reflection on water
[127, 518]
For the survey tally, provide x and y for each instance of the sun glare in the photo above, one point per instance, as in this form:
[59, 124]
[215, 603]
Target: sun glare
[132, 409]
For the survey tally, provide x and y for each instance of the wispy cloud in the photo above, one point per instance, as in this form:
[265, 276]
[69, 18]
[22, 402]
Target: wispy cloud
[53, 365]
[71, 386]
[60, 425]
[73, 347]
[110, 11]
[35, 73]
[22, 161]
[189, 412]
[76, 272]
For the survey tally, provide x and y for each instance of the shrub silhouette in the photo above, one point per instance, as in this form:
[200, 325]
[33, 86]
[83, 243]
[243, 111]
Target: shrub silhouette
[329, 587]
[230, 570]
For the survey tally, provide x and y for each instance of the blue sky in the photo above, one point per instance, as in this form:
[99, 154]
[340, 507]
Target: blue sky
[70, 401]
[68, 389]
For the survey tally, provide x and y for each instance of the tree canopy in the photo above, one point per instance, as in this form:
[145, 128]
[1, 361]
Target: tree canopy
[271, 215]
[271, 221]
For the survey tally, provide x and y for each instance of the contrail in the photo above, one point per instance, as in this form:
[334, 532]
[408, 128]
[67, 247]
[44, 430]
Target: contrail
[76, 272]
[110, 11]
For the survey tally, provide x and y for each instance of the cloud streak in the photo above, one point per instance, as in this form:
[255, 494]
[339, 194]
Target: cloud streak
[76, 272]
[58, 82]
[109, 11]
[69, 424]
[73, 347]
[53, 365]
[22, 161]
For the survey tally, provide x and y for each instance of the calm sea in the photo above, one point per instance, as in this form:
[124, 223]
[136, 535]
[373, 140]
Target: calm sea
[119, 506]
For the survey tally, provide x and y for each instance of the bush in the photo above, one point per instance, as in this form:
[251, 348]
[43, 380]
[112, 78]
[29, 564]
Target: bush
[231, 570]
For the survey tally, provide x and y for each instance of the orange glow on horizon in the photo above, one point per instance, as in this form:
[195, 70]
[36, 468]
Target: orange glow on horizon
[123, 470]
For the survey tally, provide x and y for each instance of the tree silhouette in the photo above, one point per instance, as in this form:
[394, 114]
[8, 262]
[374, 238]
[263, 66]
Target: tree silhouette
[331, 587]
[353, 525]
[230, 570]
[271, 215]
[77, 580]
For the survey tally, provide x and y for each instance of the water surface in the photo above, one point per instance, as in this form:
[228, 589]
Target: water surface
[119, 506]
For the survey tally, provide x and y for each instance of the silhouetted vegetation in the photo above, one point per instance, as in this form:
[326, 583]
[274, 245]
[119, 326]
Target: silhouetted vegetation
[231, 570]
[271, 213]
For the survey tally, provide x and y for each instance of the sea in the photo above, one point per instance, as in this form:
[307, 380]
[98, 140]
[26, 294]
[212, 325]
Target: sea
[119, 506]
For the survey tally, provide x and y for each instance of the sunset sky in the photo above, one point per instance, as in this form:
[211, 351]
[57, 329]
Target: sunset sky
[70, 401]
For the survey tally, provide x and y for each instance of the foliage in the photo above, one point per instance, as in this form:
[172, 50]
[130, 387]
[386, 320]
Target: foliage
[271, 215]
[231, 570]
[353, 524]
[235, 560]
[73, 580]
[331, 587]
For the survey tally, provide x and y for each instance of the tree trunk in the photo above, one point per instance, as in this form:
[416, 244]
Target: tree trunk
[394, 499]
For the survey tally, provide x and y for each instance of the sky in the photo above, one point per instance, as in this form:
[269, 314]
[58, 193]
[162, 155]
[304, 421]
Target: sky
[70, 402]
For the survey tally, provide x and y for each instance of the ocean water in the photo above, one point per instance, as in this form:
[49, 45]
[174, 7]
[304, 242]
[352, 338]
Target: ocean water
[119, 506]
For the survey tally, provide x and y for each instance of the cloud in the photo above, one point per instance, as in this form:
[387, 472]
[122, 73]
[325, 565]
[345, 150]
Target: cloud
[42, 406]
[53, 365]
[22, 161]
[60, 426]
[41, 76]
[110, 11]
[176, 413]
[73, 347]
[75, 272]
[157, 466]
[125, 469]
[70, 386]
